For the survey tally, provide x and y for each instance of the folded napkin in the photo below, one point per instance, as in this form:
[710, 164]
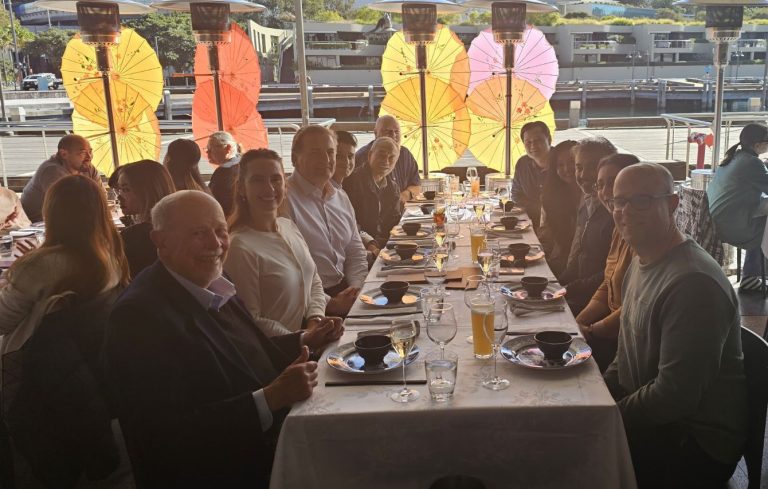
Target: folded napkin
[371, 321]
[527, 309]
[365, 311]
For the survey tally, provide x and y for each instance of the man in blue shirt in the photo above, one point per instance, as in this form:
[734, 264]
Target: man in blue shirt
[531, 169]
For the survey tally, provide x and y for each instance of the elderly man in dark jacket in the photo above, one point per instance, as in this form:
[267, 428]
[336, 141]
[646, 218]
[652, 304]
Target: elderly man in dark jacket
[374, 193]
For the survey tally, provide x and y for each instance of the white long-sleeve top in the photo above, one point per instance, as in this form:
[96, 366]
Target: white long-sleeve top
[326, 219]
[275, 276]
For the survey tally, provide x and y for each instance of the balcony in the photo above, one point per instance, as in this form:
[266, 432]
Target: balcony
[594, 47]
[673, 46]
[751, 45]
[340, 45]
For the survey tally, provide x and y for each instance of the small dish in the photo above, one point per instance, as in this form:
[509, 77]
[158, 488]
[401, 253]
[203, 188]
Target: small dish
[524, 351]
[520, 226]
[553, 344]
[398, 232]
[346, 359]
[373, 348]
[534, 286]
[375, 298]
[516, 293]
[534, 254]
[391, 257]
[394, 290]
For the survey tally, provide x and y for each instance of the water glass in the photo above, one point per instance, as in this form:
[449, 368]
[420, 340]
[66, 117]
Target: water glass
[441, 325]
[6, 246]
[441, 369]
[429, 298]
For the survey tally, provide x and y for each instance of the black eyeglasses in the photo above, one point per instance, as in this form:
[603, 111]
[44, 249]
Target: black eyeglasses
[637, 202]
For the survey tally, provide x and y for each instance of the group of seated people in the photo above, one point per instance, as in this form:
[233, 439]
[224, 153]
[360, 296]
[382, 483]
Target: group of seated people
[228, 292]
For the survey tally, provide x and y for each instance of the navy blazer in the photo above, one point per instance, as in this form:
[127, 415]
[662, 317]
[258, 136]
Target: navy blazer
[184, 390]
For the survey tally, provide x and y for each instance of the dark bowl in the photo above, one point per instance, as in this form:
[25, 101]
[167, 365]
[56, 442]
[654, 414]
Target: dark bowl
[519, 251]
[406, 250]
[373, 348]
[430, 194]
[509, 222]
[534, 286]
[394, 291]
[427, 209]
[509, 206]
[411, 228]
[553, 344]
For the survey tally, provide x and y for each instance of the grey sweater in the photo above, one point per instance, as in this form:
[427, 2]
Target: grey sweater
[679, 358]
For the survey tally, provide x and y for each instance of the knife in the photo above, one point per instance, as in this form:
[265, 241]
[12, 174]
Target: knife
[355, 383]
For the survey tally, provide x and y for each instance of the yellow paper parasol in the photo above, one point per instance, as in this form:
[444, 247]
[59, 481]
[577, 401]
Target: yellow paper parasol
[447, 61]
[487, 108]
[134, 63]
[137, 128]
[448, 120]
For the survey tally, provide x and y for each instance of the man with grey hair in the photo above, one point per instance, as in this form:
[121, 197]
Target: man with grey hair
[224, 153]
[406, 172]
[678, 374]
[201, 390]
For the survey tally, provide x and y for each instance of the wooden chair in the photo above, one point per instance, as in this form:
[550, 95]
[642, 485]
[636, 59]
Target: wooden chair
[756, 371]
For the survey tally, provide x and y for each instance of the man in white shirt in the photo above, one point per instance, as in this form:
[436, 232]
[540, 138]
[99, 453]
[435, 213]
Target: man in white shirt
[201, 390]
[325, 217]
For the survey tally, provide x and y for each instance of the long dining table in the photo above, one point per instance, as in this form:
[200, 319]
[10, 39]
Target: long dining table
[549, 429]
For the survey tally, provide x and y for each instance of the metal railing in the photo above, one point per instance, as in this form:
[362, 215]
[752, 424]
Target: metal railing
[672, 44]
[591, 45]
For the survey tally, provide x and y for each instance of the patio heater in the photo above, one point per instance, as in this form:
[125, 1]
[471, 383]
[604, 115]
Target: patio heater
[508, 25]
[419, 27]
[100, 27]
[211, 28]
[723, 26]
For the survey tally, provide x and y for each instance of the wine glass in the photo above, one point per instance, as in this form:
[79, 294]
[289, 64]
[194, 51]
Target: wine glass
[436, 268]
[452, 232]
[441, 326]
[485, 258]
[429, 297]
[440, 234]
[403, 337]
[492, 319]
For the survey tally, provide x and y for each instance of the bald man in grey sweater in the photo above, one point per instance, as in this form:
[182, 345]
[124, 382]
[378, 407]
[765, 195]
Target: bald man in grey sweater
[678, 374]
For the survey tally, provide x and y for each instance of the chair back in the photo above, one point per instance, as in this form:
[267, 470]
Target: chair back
[693, 218]
[756, 371]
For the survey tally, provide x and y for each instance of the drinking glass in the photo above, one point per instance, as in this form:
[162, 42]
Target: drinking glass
[436, 268]
[494, 328]
[483, 316]
[470, 290]
[441, 326]
[485, 260]
[476, 239]
[505, 194]
[429, 298]
[452, 233]
[6, 246]
[440, 234]
[441, 370]
[403, 337]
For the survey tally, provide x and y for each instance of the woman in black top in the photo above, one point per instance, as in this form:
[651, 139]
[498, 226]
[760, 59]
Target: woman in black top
[559, 202]
[140, 186]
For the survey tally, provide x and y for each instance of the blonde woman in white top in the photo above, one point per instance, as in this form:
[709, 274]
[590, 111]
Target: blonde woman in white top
[268, 260]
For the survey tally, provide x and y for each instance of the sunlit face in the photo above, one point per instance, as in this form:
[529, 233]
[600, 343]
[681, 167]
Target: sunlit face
[217, 153]
[264, 186]
[382, 159]
[586, 171]
[127, 197]
[566, 168]
[640, 227]
[389, 128]
[78, 158]
[316, 159]
[345, 161]
[536, 144]
[605, 179]
[195, 242]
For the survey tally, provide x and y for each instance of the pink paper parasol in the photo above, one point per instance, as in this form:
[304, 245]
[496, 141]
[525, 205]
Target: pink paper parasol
[535, 61]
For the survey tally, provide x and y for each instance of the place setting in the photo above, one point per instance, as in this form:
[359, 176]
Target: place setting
[546, 350]
[534, 295]
[510, 226]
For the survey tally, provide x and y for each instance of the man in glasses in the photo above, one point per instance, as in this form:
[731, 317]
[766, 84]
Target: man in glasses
[585, 269]
[678, 376]
[73, 157]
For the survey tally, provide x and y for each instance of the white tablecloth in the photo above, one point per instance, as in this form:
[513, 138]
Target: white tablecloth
[548, 429]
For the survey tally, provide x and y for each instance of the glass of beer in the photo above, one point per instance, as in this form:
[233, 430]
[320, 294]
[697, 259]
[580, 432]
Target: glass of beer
[476, 239]
[482, 306]
[492, 323]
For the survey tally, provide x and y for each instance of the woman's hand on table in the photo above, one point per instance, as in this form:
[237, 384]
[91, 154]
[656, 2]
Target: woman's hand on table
[322, 331]
[341, 303]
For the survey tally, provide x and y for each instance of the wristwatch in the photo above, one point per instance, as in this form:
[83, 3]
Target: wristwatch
[316, 316]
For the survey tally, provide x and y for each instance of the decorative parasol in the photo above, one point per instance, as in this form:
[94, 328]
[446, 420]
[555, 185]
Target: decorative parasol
[448, 124]
[239, 116]
[134, 63]
[487, 106]
[447, 60]
[535, 60]
[136, 128]
[238, 64]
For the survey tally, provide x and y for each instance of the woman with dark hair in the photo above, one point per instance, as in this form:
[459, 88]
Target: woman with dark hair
[268, 259]
[736, 203]
[182, 162]
[82, 253]
[599, 321]
[140, 186]
[560, 197]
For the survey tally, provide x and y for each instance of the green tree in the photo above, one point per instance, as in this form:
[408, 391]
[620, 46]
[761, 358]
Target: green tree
[551, 18]
[23, 36]
[756, 13]
[663, 3]
[51, 44]
[668, 13]
[172, 34]
[328, 16]
[367, 15]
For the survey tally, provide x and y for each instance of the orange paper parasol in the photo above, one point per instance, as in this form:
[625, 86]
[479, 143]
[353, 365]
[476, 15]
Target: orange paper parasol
[238, 64]
[448, 121]
[239, 114]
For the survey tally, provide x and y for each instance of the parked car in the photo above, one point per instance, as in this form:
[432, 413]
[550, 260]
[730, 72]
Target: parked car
[30, 82]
